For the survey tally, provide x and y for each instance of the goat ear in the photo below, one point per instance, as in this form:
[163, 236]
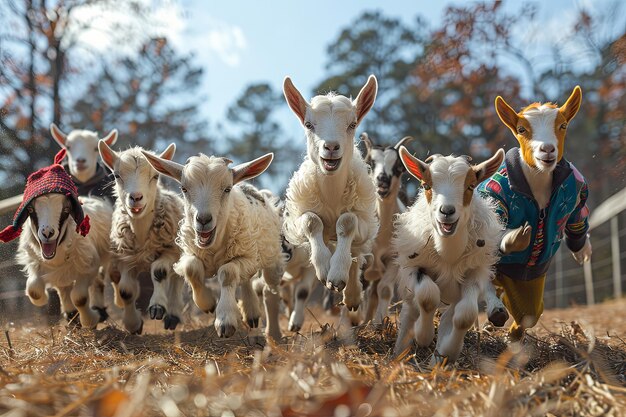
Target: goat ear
[489, 167]
[365, 100]
[415, 167]
[367, 141]
[165, 166]
[296, 102]
[508, 116]
[111, 138]
[107, 154]
[403, 141]
[571, 106]
[57, 135]
[169, 152]
[249, 170]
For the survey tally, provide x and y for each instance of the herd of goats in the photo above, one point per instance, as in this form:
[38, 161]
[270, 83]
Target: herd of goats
[344, 222]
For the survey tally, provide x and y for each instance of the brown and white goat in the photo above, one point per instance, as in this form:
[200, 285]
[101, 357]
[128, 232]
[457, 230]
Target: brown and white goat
[387, 170]
[446, 244]
[331, 200]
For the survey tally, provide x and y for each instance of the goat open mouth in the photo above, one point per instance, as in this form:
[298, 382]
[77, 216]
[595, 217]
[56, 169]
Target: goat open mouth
[136, 210]
[382, 190]
[205, 238]
[48, 249]
[330, 164]
[447, 229]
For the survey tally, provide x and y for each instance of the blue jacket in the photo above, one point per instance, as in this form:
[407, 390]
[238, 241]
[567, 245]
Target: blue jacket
[565, 216]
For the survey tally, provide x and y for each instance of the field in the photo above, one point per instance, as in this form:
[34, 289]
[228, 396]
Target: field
[573, 363]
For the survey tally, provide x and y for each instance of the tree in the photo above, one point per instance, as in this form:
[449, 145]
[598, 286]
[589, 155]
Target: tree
[150, 98]
[258, 133]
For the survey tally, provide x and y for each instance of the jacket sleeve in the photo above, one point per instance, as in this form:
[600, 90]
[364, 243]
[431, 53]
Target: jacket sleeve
[492, 189]
[578, 222]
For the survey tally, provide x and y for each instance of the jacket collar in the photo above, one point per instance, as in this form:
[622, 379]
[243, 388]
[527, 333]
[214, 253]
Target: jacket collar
[101, 172]
[517, 180]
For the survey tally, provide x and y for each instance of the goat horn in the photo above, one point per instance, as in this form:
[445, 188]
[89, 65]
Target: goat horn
[368, 142]
[431, 157]
[403, 141]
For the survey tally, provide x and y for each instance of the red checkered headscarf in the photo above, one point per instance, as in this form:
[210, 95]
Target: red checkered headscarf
[48, 180]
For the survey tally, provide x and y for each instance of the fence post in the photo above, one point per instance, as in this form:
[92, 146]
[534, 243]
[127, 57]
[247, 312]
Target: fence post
[589, 283]
[615, 256]
[559, 278]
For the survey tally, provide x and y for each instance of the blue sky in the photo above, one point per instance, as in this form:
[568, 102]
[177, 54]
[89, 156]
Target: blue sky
[241, 42]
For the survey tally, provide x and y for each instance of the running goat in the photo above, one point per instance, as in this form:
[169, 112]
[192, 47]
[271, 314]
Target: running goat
[447, 245]
[143, 234]
[64, 242]
[331, 200]
[387, 170]
[231, 230]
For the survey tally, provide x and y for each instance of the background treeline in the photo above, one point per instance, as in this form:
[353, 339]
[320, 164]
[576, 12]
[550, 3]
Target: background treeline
[437, 83]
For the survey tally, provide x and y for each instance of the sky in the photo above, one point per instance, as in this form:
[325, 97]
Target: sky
[242, 42]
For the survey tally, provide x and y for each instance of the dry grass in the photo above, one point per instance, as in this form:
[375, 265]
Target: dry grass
[326, 372]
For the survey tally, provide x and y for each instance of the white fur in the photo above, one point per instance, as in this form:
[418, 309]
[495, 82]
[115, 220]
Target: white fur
[145, 241]
[245, 239]
[453, 269]
[326, 208]
[75, 265]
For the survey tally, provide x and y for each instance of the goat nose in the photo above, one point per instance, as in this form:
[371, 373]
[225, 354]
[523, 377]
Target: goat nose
[48, 233]
[447, 210]
[547, 148]
[204, 220]
[331, 146]
[136, 196]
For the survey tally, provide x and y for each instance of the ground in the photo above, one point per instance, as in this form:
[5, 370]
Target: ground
[573, 363]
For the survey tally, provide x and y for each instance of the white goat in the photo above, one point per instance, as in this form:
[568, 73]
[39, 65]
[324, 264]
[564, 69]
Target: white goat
[387, 170]
[143, 233]
[90, 177]
[447, 245]
[331, 198]
[229, 230]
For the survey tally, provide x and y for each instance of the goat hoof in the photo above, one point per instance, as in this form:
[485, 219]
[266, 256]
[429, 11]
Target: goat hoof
[499, 316]
[102, 312]
[139, 330]
[438, 359]
[294, 327]
[160, 274]
[170, 322]
[156, 311]
[253, 322]
[226, 330]
[336, 287]
[72, 318]
[353, 308]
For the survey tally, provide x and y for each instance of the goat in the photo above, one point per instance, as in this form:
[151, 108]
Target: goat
[231, 230]
[387, 170]
[91, 178]
[63, 244]
[446, 244]
[143, 233]
[331, 199]
[538, 190]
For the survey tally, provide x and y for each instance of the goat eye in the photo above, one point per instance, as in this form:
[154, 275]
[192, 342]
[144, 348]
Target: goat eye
[521, 130]
[156, 177]
[183, 189]
[426, 186]
[30, 209]
[308, 125]
[227, 189]
[352, 126]
[563, 126]
[117, 176]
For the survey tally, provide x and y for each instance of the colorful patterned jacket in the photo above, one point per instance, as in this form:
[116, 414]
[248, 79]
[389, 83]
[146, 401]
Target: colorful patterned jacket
[566, 214]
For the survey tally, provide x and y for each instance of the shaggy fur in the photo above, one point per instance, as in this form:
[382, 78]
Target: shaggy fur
[145, 244]
[454, 269]
[331, 198]
[244, 226]
[75, 265]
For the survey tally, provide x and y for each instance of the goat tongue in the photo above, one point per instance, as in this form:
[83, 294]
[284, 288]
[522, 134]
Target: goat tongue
[48, 250]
